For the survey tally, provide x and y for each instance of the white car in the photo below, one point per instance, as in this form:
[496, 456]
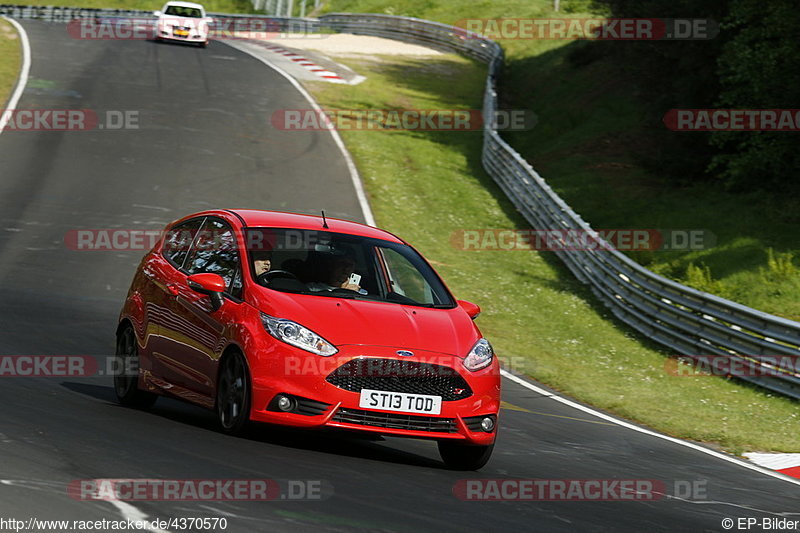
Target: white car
[182, 21]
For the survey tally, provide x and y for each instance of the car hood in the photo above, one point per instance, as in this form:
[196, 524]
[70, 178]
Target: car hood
[182, 21]
[356, 322]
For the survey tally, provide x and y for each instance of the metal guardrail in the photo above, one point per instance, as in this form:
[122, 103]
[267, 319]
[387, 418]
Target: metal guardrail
[688, 321]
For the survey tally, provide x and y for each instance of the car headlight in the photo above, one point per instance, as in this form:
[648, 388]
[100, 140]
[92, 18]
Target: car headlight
[480, 356]
[297, 335]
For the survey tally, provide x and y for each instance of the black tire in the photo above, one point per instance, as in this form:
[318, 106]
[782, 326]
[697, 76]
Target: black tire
[233, 395]
[126, 385]
[458, 456]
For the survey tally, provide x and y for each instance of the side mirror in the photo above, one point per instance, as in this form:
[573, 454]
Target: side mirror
[470, 308]
[210, 284]
[157, 13]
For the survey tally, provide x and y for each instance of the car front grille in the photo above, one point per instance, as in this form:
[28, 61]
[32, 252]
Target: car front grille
[395, 421]
[397, 375]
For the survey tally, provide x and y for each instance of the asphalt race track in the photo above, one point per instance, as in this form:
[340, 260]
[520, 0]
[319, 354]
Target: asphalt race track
[205, 140]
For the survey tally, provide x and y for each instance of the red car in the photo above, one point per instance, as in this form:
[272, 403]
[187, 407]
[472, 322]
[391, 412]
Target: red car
[311, 322]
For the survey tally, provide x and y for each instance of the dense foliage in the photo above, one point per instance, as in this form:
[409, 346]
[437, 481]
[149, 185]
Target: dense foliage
[751, 64]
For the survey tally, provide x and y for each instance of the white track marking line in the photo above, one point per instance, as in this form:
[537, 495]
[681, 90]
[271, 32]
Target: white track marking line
[23, 73]
[361, 195]
[633, 427]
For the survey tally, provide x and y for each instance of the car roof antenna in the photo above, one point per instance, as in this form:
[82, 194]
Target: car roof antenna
[324, 222]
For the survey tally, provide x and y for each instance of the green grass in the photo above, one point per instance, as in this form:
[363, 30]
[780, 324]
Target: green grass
[425, 186]
[589, 132]
[10, 58]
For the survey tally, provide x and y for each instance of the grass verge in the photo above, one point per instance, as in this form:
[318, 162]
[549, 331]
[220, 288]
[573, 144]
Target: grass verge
[425, 186]
[10, 60]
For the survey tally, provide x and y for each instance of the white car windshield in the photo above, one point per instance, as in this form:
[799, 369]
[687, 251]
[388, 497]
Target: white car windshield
[180, 11]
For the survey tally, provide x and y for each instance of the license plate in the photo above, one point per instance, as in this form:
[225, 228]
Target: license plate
[181, 33]
[400, 401]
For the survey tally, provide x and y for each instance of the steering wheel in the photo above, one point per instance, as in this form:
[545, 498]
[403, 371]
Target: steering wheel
[266, 277]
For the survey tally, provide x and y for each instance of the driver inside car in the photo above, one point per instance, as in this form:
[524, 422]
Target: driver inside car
[336, 274]
[262, 262]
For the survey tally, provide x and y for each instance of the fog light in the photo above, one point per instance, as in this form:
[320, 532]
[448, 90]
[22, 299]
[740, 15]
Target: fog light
[487, 424]
[285, 403]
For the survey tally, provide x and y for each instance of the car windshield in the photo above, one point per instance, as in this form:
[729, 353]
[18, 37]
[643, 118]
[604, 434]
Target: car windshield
[180, 11]
[344, 266]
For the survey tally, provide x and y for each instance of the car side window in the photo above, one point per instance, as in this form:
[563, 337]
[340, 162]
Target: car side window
[405, 279]
[215, 251]
[179, 240]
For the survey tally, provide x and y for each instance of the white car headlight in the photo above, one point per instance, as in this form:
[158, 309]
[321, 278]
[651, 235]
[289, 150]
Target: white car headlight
[480, 356]
[297, 335]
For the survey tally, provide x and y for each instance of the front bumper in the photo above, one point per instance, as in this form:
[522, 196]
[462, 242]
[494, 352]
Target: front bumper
[287, 370]
[192, 37]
